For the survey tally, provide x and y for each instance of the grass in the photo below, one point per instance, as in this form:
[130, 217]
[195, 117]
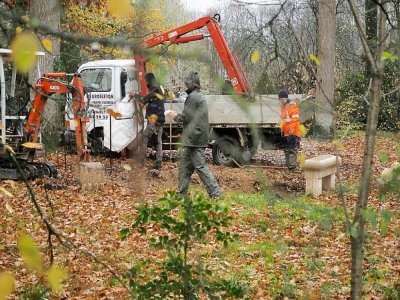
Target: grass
[256, 202]
[278, 253]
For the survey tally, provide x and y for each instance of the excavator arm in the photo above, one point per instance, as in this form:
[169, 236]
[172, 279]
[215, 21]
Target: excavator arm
[232, 65]
[48, 85]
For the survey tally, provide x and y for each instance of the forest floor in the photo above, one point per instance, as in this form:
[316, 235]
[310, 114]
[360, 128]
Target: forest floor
[290, 245]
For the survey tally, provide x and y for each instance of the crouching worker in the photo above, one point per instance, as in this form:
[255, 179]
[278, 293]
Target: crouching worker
[195, 139]
[290, 127]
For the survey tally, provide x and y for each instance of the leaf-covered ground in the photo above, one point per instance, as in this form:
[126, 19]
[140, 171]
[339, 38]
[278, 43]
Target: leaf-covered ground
[291, 245]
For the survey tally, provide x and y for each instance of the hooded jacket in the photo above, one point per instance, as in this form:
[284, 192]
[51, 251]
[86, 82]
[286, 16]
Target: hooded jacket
[194, 115]
[195, 120]
[154, 100]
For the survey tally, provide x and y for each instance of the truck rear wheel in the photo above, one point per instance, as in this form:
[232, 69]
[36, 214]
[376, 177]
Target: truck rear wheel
[226, 151]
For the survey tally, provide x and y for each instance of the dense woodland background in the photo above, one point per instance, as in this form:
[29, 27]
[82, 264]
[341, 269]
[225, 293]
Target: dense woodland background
[283, 36]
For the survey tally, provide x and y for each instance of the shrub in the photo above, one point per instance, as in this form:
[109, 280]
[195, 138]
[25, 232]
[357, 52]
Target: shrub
[181, 222]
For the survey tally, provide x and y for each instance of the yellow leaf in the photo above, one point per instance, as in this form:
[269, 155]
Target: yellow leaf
[10, 182]
[280, 124]
[36, 226]
[1, 126]
[18, 30]
[9, 149]
[171, 95]
[25, 19]
[24, 48]
[315, 59]
[302, 159]
[55, 276]
[32, 145]
[6, 284]
[9, 208]
[30, 253]
[303, 130]
[127, 167]
[159, 96]
[120, 8]
[255, 56]
[7, 193]
[47, 45]
[338, 144]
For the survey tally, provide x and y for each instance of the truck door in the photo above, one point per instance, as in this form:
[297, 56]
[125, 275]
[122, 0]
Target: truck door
[99, 86]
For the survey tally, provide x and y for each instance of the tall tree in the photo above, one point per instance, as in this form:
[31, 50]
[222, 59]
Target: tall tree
[48, 13]
[375, 96]
[325, 71]
[371, 25]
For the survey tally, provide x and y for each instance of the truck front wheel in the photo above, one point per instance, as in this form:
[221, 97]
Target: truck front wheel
[226, 151]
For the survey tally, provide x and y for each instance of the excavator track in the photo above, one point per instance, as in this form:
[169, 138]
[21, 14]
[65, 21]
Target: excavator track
[31, 171]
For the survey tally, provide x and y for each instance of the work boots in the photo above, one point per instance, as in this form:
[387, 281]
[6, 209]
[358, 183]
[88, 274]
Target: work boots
[291, 160]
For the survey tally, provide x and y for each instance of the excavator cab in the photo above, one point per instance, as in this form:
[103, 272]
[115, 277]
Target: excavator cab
[14, 111]
[20, 133]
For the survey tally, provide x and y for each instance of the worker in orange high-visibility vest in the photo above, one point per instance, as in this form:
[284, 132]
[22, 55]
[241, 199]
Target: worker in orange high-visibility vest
[290, 126]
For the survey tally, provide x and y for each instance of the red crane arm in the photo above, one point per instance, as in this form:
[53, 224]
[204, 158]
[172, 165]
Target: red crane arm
[175, 36]
[47, 86]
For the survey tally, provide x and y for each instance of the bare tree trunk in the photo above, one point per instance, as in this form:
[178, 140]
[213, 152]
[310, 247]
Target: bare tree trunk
[357, 239]
[325, 72]
[358, 230]
[48, 13]
[371, 30]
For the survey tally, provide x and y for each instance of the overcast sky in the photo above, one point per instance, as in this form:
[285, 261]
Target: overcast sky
[203, 5]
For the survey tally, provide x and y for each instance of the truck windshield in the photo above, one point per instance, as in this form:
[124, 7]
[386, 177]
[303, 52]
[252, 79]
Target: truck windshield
[97, 80]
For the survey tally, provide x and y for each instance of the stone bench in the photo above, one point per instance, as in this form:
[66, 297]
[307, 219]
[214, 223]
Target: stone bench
[320, 173]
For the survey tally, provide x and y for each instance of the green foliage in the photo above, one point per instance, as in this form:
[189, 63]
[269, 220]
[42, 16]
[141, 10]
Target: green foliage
[34, 292]
[383, 157]
[70, 58]
[265, 84]
[392, 292]
[352, 108]
[182, 222]
[389, 56]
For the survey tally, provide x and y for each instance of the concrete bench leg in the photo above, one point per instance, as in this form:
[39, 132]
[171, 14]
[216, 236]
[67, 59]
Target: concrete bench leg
[314, 186]
[328, 182]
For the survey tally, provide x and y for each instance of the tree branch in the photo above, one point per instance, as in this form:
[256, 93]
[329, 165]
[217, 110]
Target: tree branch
[67, 243]
[362, 35]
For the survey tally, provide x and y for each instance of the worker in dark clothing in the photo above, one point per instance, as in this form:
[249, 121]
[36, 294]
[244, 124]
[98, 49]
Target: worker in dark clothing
[290, 127]
[195, 139]
[154, 102]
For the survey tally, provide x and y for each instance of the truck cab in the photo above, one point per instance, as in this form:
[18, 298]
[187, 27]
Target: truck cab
[107, 84]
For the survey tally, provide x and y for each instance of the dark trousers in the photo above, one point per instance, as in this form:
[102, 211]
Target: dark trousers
[194, 159]
[291, 149]
[151, 129]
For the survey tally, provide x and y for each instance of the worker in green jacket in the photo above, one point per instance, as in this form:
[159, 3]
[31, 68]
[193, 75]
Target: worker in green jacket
[195, 139]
